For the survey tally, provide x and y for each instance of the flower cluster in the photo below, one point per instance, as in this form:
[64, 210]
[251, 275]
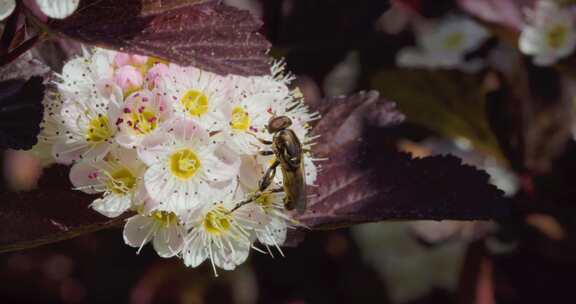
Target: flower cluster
[550, 33]
[180, 148]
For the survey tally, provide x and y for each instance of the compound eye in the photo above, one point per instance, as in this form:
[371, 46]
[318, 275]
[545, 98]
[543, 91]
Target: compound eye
[278, 123]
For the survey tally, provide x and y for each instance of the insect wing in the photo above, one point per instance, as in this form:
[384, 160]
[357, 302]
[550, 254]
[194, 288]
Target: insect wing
[289, 152]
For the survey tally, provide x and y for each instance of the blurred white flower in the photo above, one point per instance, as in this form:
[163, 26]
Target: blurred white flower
[444, 44]
[58, 9]
[6, 8]
[550, 34]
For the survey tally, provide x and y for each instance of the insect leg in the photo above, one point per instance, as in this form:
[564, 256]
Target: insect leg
[268, 177]
[266, 153]
[266, 142]
[242, 203]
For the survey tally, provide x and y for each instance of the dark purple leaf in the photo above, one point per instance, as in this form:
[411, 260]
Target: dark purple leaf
[20, 112]
[51, 213]
[202, 33]
[531, 113]
[365, 179]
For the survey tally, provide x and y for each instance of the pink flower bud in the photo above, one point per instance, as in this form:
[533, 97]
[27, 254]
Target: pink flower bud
[138, 60]
[158, 71]
[121, 59]
[128, 77]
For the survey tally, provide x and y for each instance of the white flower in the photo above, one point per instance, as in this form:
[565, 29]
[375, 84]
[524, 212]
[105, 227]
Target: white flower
[87, 130]
[6, 8]
[443, 44]
[220, 236]
[196, 95]
[550, 34]
[162, 228]
[143, 115]
[89, 75]
[247, 116]
[185, 170]
[58, 9]
[118, 177]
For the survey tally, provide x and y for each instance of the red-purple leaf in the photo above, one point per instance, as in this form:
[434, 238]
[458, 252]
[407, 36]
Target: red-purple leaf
[51, 213]
[202, 33]
[365, 179]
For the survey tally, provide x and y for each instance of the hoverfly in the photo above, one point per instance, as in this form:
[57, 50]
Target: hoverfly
[288, 152]
[290, 157]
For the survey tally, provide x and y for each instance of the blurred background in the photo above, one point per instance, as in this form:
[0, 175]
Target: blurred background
[456, 70]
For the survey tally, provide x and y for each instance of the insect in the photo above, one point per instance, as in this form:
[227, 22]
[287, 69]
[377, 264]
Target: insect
[287, 149]
[290, 157]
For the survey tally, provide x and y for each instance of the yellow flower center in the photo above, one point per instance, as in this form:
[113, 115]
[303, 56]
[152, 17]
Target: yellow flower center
[195, 102]
[454, 40]
[240, 119]
[184, 164]
[121, 182]
[143, 121]
[556, 36]
[165, 219]
[264, 200]
[98, 130]
[217, 221]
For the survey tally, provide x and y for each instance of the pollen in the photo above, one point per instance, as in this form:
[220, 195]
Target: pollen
[121, 181]
[264, 200]
[184, 164]
[240, 119]
[142, 121]
[217, 221]
[98, 130]
[556, 36]
[165, 219]
[195, 102]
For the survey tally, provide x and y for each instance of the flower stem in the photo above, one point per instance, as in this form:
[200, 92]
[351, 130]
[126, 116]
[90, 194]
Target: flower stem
[19, 50]
[10, 30]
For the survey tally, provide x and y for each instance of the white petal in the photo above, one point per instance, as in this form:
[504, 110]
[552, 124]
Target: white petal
[195, 253]
[532, 41]
[6, 8]
[216, 170]
[58, 9]
[84, 176]
[168, 241]
[250, 172]
[112, 205]
[411, 57]
[65, 153]
[274, 233]
[171, 193]
[227, 259]
[545, 59]
[310, 170]
[138, 230]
